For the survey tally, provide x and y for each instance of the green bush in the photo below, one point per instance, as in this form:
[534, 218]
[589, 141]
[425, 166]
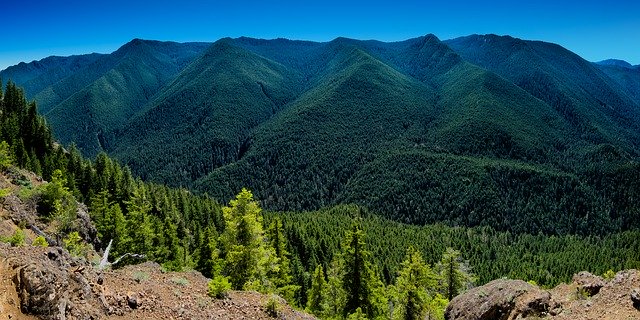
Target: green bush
[74, 244]
[218, 287]
[40, 241]
[273, 306]
[16, 240]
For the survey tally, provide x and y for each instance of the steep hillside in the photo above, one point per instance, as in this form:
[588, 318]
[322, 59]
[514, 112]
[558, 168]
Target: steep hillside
[35, 76]
[140, 69]
[479, 130]
[97, 93]
[626, 75]
[203, 119]
[587, 99]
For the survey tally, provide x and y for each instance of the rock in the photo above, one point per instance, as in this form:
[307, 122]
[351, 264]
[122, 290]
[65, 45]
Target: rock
[495, 300]
[133, 300]
[37, 293]
[635, 297]
[590, 283]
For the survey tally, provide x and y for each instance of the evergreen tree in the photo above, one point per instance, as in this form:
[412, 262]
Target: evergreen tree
[454, 273]
[359, 280]
[317, 294]
[247, 256]
[208, 261]
[416, 280]
[336, 295]
[139, 225]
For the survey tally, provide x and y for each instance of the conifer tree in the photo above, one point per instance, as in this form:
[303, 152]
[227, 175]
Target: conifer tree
[139, 225]
[318, 293]
[247, 257]
[336, 295]
[359, 280]
[415, 281]
[454, 274]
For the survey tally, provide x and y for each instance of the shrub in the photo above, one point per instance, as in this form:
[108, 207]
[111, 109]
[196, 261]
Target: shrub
[40, 241]
[608, 275]
[273, 306]
[17, 239]
[140, 276]
[180, 281]
[218, 287]
[74, 244]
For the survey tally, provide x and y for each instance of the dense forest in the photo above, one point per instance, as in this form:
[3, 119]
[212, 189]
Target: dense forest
[523, 136]
[341, 261]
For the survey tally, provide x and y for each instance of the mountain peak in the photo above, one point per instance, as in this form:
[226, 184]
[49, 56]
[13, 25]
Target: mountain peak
[615, 62]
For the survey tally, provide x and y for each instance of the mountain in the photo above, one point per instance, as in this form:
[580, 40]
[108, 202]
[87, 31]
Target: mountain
[35, 76]
[105, 90]
[590, 101]
[626, 75]
[615, 63]
[481, 130]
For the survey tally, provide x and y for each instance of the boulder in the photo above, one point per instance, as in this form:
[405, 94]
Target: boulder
[635, 298]
[500, 300]
[590, 283]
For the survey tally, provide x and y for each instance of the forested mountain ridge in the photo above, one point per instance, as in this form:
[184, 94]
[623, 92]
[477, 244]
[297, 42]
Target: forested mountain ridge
[86, 97]
[525, 136]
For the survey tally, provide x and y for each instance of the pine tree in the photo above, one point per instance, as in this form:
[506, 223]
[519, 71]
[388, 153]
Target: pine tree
[139, 226]
[359, 280]
[317, 294]
[336, 295]
[208, 261]
[453, 273]
[415, 280]
[247, 257]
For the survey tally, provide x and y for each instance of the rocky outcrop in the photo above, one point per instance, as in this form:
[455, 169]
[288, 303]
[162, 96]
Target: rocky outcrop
[500, 300]
[588, 283]
[54, 286]
[587, 297]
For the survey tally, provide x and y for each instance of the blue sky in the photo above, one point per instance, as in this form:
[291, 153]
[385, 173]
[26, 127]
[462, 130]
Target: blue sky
[37, 29]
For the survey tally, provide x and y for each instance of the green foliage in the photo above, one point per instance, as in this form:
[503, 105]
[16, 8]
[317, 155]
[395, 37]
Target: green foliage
[454, 273]
[415, 283]
[40, 241]
[608, 275]
[218, 287]
[140, 276]
[359, 279]
[4, 192]
[180, 281]
[16, 240]
[75, 245]
[317, 295]
[247, 258]
[5, 156]
[272, 307]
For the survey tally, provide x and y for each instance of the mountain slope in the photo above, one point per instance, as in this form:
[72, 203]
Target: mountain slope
[140, 69]
[588, 99]
[97, 93]
[626, 75]
[203, 118]
[369, 134]
[35, 76]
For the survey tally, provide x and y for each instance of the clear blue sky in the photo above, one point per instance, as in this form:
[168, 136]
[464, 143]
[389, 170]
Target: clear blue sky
[596, 30]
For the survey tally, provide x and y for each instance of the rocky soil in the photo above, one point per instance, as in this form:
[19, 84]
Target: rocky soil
[49, 283]
[588, 297]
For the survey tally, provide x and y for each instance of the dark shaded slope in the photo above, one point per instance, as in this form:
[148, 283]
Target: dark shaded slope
[371, 135]
[304, 156]
[626, 75]
[35, 76]
[140, 70]
[204, 118]
[586, 97]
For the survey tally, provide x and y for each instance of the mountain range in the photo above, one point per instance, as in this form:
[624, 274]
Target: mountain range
[479, 130]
